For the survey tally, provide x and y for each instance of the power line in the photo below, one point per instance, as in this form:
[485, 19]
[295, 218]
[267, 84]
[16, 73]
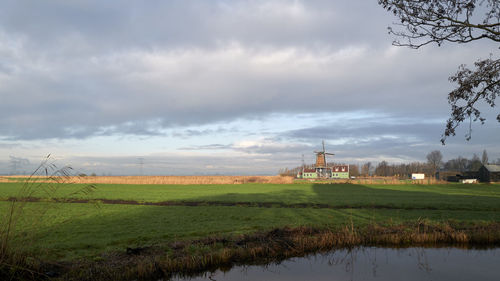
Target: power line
[141, 164]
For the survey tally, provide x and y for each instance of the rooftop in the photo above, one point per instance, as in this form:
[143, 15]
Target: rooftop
[493, 167]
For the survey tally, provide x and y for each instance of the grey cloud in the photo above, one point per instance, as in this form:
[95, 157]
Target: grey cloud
[214, 146]
[268, 146]
[393, 138]
[187, 133]
[172, 164]
[53, 129]
[5, 69]
[98, 98]
[276, 148]
[427, 132]
[8, 145]
[113, 24]
[99, 68]
[131, 128]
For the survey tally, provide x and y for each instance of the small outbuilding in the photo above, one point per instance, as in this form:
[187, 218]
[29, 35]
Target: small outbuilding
[417, 176]
[489, 173]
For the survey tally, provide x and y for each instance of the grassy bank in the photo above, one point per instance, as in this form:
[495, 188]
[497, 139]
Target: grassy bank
[79, 237]
[187, 258]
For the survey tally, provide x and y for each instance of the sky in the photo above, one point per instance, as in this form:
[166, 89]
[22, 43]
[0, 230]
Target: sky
[222, 87]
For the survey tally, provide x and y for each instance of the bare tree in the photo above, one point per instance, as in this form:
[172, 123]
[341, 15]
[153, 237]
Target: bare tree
[354, 170]
[435, 160]
[462, 163]
[484, 158]
[383, 169]
[474, 164]
[366, 168]
[455, 21]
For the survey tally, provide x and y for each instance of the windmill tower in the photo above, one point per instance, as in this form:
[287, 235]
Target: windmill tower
[321, 165]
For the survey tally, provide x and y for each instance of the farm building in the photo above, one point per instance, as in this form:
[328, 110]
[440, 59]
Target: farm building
[334, 172]
[451, 176]
[322, 169]
[340, 172]
[489, 173]
[308, 174]
[417, 176]
[456, 176]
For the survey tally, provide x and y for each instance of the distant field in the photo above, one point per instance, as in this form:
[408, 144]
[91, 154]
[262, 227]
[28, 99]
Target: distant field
[72, 230]
[162, 179]
[449, 196]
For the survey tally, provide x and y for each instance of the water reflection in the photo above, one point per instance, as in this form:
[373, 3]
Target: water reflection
[371, 263]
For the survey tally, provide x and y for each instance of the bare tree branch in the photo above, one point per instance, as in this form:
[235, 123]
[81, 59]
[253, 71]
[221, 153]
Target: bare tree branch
[483, 83]
[438, 21]
[454, 21]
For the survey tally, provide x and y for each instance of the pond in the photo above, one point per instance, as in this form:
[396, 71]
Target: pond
[372, 263]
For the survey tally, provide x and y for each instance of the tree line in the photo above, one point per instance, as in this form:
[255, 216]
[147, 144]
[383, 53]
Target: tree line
[433, 164]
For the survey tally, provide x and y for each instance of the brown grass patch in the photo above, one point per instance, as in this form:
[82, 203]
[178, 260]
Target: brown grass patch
[227, 180]
[174, 179]
[4, 179]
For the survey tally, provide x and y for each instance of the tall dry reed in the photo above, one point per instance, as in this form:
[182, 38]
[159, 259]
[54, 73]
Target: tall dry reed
[173, 179]
[14, 242]
[223, 180]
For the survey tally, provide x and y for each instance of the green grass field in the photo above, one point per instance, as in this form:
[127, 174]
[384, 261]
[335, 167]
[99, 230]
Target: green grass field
[450, 196]
[67, 231]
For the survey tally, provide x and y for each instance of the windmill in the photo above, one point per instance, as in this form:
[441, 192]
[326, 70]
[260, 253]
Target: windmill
[321, 165]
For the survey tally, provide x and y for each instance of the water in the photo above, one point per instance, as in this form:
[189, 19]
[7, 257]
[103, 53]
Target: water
[371, 263]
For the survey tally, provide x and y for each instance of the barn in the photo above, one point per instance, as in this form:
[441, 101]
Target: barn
[489, 173]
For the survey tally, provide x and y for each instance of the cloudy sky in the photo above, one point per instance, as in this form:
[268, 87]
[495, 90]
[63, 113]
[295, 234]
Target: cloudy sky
[221, 87]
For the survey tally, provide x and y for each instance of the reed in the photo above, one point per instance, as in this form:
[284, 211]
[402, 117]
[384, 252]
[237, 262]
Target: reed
[15, 261]
[185, 180]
